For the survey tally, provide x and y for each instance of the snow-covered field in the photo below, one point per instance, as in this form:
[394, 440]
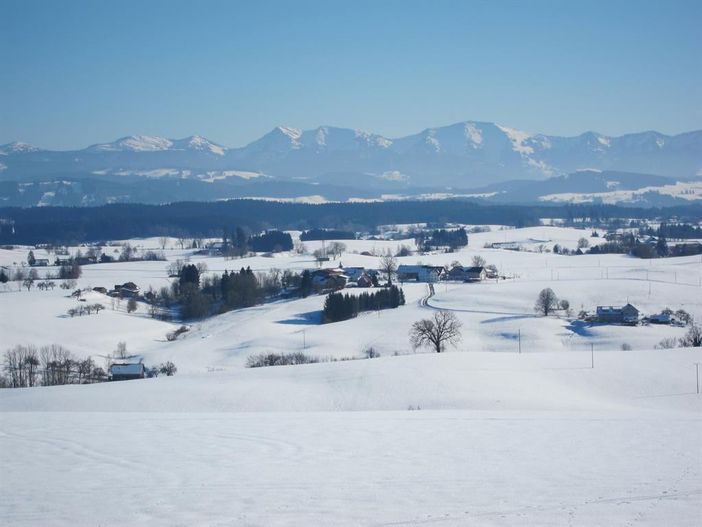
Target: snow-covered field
[481, 435]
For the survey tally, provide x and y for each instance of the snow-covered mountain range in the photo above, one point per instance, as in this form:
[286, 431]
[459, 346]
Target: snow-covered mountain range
[462, 155]
[145, 143]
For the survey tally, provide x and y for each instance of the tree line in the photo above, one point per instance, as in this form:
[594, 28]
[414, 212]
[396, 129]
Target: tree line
[629, 244]
[28, 366]
[70, 225]
[674, 231]
[198, 295]
[327, 234]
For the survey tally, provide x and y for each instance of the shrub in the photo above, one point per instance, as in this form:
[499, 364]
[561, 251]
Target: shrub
[371, 353]
[173, 335]
[626, 347]
[693, 337]
[168, 368]
[279, 359]
[667, 343]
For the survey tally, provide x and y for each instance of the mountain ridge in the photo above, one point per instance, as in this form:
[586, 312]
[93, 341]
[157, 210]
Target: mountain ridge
[467, 153]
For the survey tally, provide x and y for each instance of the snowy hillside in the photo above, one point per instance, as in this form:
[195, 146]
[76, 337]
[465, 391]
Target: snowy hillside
[529, 420]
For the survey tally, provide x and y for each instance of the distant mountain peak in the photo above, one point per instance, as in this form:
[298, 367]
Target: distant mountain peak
[150, 143]
[293, 133]
[17, 147]
[200, 144]
[134, 143]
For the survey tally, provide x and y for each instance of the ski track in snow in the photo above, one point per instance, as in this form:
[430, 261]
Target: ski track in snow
[380, 468]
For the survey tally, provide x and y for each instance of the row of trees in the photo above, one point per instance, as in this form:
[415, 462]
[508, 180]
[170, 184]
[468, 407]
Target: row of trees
[28, 366]
[54, 365]
[85, 309]
[679, 231]
[339, 306]
[629, 244]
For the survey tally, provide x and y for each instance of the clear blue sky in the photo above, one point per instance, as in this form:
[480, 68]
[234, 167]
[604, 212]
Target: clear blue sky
[74, 73]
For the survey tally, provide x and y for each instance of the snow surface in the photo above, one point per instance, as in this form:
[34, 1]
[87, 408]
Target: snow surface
[518, 138]
[480, 435]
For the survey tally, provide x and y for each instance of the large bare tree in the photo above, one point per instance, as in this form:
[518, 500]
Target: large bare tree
[443, 328]
[546, 302]
[388, 265]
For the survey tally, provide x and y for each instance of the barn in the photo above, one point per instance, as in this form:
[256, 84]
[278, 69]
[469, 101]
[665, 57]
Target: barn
[124, 371]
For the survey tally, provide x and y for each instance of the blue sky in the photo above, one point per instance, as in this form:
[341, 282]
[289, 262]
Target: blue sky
[76, 73]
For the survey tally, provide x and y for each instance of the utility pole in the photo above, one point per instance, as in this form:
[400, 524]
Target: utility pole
[592, 355]
[697, 376]
[519, 337]
[304, 340]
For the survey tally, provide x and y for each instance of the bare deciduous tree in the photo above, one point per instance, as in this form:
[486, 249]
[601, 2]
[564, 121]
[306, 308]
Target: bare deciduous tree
[183, 242]
[121, 351]
[478, 261]
[163, 242]
[546, 302]
[132, 305]
[437, 331]
[21, 364]
[388, 266]
[336, 249]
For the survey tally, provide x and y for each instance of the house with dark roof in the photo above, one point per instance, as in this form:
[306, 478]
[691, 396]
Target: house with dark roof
[126, 290]
[627, 314]
[420, 273]
[467, 274]
[330, 279]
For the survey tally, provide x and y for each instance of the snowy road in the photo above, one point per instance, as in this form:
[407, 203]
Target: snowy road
[357, 468]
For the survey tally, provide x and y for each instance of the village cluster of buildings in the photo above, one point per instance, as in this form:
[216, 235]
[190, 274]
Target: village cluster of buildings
[341, 277]
[125, 290]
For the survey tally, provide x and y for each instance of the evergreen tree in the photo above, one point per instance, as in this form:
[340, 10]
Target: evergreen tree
[662, 246]
[306, 284]
[338, 306]
[189, 274]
